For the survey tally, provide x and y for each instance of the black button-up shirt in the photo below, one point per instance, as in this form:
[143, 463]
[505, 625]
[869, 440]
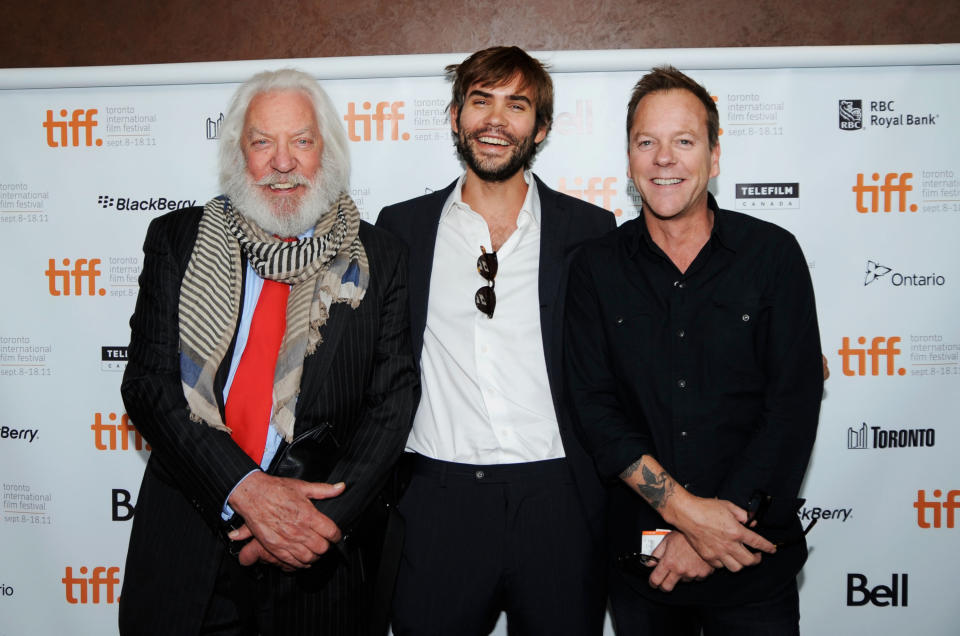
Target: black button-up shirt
[715, 371]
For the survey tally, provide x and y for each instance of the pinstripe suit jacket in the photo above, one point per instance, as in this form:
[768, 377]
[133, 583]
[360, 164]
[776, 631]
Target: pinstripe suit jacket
[565, 222]
[362, 380]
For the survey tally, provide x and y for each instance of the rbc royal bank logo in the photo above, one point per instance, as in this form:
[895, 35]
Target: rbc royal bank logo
[851, 114]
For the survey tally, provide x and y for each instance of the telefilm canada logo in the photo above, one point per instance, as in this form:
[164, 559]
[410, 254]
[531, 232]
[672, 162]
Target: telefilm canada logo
[149, 204]
[113, 358]
[767, 196]
[876, 271]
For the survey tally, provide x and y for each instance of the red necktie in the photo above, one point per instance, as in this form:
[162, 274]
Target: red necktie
[251, 394]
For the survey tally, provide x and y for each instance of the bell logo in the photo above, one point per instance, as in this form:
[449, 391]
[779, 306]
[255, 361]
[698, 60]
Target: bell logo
[79, 120]
[880, 347]
[121, 430]
[949, 508]
[597, 187]
[374, 120]
[579, 122]
[89, 588]
[868, 196]
[858, 594]
[83, 270]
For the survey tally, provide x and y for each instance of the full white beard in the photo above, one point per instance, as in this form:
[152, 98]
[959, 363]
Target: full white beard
[283, 217]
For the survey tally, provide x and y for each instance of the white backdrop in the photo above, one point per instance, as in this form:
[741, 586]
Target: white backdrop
[854, 149]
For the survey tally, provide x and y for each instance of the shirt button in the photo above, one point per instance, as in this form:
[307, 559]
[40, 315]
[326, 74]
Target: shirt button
[681, 285]
[682, 383]
[745, 317]
[683, 433]
[479, 474]
[619, 320]
[681, 333]
[686, 486]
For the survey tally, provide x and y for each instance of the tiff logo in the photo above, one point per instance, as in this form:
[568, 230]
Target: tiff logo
[102, 577]
[880, 347]
[597, 187]
[949, 507]
[376, 120]
[213, 127]
[83, 270]
[121, 430]
[79, 120]
[868, 196]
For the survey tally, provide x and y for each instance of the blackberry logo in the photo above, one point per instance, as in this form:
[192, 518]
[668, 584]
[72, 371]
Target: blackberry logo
[131, 204]
[851, 114]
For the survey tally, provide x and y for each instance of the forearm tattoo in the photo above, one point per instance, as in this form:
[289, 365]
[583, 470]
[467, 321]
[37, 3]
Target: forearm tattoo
[655, 488]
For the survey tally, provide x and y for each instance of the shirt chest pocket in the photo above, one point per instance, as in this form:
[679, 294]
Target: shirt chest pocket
[737, 329]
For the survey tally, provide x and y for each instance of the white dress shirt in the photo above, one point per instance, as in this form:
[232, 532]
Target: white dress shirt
[486, 396]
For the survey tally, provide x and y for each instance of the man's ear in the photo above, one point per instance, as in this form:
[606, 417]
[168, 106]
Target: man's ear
[454, 112]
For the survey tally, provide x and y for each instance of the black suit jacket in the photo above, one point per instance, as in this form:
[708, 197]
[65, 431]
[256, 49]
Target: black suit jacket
[362, 380]
[565, 222]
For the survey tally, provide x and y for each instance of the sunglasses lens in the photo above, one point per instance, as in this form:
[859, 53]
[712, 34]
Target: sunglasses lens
[487, 265]
[486, 300]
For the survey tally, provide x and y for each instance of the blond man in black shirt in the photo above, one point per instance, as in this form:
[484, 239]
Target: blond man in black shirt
[693, 362]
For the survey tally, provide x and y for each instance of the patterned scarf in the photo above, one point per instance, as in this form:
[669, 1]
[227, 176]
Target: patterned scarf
[328, 268]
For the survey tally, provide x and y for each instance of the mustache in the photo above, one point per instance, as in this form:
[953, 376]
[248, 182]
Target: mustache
[284, 177]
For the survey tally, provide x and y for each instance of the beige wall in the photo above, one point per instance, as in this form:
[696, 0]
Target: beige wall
[107, 32]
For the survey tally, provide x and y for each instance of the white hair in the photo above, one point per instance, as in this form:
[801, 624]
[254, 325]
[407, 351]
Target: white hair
[334, 175]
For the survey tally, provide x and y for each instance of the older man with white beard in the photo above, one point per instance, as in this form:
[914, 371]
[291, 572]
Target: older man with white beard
[270, 370]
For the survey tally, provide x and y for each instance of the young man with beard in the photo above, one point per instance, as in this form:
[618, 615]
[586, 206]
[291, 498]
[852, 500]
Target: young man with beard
[270, 371]
[503, 510]
[693, 362]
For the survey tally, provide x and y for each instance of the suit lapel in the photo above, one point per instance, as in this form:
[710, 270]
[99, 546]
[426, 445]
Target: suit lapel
[422, 244]
[553, 230]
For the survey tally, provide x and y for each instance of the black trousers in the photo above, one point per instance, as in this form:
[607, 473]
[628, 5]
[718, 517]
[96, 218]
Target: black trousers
[262, 600]
[481, 539]
[778, 614]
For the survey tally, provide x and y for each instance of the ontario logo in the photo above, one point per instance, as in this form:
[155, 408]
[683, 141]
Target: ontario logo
[150, 204]
[875, 271]
[851, 114]
[767, 196]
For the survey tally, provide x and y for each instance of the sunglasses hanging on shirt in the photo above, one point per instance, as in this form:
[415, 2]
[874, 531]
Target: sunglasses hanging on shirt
[486, 297]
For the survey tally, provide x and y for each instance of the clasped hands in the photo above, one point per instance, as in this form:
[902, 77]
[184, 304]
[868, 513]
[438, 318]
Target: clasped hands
[285, 528]
[711, 534]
